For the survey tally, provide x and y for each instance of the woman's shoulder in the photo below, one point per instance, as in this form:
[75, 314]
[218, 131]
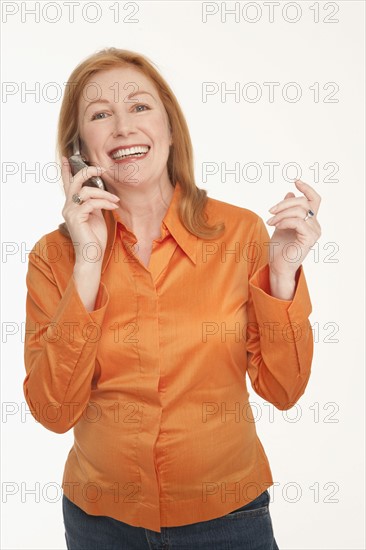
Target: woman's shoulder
[230, 212]
[53, 238]
[54, 248]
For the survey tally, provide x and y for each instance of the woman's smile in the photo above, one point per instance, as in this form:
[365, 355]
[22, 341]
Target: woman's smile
[124, 155]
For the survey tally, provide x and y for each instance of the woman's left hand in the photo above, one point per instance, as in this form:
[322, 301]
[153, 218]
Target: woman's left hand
[293, 236]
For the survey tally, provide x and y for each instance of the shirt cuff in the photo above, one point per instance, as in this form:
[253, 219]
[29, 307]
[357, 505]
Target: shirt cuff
[270, 308]
[80, 317]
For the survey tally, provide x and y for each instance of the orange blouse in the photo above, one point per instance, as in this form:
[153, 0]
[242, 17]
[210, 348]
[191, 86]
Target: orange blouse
[153, 380]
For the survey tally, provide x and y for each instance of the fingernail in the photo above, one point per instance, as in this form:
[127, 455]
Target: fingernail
[273, 209]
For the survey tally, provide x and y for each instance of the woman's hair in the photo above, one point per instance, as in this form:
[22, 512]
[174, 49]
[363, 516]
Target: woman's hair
[180, 161]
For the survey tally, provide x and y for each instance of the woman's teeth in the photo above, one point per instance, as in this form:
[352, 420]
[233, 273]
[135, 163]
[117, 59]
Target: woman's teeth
[133, 151]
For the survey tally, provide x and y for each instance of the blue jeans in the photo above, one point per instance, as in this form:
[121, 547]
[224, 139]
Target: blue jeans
[246, 528]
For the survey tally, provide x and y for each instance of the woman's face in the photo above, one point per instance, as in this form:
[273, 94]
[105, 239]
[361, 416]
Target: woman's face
[120, 108]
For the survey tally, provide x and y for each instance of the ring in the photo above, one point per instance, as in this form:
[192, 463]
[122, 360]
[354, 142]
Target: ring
[77, 199]
[310, 213]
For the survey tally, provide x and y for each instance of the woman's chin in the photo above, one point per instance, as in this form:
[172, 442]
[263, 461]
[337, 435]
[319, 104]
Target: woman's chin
[125, 175]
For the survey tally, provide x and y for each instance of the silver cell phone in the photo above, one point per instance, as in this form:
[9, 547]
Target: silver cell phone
[77, 164]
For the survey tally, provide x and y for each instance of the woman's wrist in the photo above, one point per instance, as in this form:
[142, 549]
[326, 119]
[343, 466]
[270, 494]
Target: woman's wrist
[282, 285]
[84, 266]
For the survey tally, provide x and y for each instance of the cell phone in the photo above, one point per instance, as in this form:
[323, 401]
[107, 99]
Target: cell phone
[77, 164]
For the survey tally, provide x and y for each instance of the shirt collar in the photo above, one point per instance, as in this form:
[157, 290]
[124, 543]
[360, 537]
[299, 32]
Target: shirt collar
[171, 224]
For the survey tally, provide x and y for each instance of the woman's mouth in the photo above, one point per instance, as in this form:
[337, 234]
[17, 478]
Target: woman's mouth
[128, 154]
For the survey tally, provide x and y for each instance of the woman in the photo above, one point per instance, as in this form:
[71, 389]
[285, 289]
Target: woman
[141, 327]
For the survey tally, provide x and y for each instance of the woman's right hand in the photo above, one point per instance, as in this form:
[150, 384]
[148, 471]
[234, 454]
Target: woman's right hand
[85, 221]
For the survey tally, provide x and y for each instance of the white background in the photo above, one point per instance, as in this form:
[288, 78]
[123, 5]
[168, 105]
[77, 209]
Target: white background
[318, 458]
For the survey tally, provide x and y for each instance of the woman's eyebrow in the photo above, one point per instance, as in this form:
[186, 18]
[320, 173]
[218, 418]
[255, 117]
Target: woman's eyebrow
[132, 94]
[99, 100]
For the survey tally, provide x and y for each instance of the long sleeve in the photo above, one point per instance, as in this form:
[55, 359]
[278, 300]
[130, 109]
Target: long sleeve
[60, 348]
[279, 335]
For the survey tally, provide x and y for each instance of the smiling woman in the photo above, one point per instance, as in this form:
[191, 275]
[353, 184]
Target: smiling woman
[124, 124]
[168, 318]
[109, 92]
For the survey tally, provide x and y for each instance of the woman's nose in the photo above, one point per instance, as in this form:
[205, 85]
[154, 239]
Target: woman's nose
[123, 125]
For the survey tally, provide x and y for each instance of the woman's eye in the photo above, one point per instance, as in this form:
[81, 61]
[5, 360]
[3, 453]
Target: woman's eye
[141, 105]
[94, 117]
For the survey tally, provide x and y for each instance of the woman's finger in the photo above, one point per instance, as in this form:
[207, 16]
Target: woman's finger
[293, 201]
[96, 204]
[76, 182]
[313, 197]
[87, 192]
[65, 174]
[295, 211]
